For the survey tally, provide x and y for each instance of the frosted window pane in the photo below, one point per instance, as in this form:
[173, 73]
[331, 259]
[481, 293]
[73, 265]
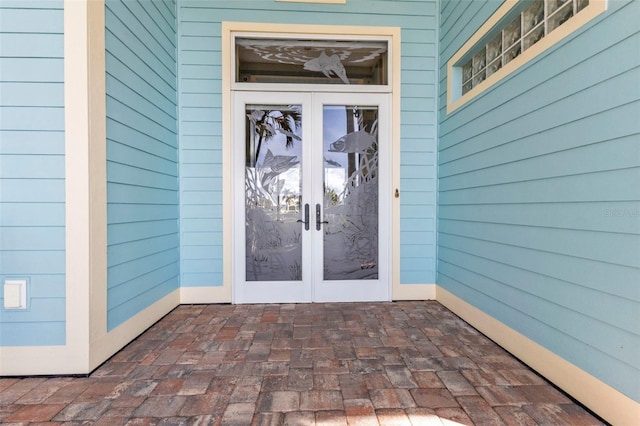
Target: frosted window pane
[560, 17]
[494, 48]
[554, 5]
[534, 36]
[533, 15]
[512, 32]
[494, 66]
[479, 61]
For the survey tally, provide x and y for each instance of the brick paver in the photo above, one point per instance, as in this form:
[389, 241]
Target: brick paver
[401, 363]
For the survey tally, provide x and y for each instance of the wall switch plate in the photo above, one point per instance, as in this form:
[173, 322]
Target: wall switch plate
[15, 294]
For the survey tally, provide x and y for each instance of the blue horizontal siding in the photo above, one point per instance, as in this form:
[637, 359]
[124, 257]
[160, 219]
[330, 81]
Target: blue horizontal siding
[27, 215]
[588, 187]
[607, 125]
[29, 142]
[135, 249]
[201, 238]
[41, 310]
[26, 94]
[539, 206]
[137, 139]
[124, 173]
[28, 238]
[125, 112]
[33, 166]
[146, 271]
[21, 263]
[205, 225]
[153, 100]
[32, 118]
[566, 242]
[32, 170]
[126, 155]
[36, 70]
[30, 20]
[142, 158]
[417, 129]
[580, 271]
[139, 213]
[619, 217]
[202, 280]
[134, 231]
[49, 333]
[120, 313]
[30, 45]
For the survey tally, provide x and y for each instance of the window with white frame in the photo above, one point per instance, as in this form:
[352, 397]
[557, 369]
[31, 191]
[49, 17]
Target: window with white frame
[518, 32]
[290, 60]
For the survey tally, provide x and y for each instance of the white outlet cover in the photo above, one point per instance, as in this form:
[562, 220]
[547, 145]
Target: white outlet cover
[15, 294]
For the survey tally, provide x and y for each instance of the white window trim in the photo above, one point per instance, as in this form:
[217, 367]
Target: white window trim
[455, 99]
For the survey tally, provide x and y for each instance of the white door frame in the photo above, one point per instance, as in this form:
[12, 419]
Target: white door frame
[312, 286]
[224, 293]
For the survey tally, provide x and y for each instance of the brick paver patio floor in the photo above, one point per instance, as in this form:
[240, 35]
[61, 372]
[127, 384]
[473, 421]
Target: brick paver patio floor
[401, 363]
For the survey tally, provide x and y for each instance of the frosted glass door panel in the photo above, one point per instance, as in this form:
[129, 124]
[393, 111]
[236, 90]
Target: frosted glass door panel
[273, 190]
[350, 205]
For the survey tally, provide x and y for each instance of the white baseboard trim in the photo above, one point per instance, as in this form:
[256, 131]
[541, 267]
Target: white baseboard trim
[42, 360]
[189, 295]
[413, 292]
[599, 397]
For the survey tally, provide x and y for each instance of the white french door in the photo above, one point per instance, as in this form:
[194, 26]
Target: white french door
[311, 193]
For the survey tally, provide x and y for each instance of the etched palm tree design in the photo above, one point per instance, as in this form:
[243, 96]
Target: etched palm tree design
[268, 123]
[272, 236]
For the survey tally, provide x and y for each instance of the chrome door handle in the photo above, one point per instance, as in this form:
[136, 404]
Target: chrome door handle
[319, 220]
[306, 217]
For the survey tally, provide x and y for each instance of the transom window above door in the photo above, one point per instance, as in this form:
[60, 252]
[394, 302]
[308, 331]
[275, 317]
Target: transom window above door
[307, 60]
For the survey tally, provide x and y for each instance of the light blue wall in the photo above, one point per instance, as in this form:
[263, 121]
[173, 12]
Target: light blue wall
[32, 195]
[142, 155]
[201, 122]
[539, 189]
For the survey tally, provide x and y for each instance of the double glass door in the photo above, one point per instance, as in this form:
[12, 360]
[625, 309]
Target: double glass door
[311, 197]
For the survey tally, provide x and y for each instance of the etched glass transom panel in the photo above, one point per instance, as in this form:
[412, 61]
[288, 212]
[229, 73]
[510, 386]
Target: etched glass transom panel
[311, 61]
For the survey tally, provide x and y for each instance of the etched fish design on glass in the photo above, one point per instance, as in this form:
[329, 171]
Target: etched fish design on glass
[279, 163]
[359, 141]
[327, 65]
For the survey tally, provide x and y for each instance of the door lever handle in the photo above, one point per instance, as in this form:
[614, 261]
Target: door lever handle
[306, 217]
[319, 220]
